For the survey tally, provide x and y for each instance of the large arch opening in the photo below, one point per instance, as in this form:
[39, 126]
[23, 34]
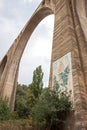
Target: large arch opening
[19, 47]
[38, 52]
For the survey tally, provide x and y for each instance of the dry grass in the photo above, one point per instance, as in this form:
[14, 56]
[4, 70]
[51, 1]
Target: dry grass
[24, 124]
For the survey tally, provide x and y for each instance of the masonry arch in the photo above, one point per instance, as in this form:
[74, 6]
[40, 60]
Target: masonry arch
[16, 51]
[38, 46]
[29, 28]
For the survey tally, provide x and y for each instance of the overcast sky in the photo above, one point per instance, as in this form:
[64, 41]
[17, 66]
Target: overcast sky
[13, 16]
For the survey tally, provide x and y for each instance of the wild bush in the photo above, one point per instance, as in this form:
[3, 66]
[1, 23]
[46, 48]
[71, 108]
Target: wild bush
[51, 109]
[5, 112]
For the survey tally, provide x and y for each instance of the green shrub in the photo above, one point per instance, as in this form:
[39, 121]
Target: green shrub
[22, 108]
[51, 109]
[5, 112]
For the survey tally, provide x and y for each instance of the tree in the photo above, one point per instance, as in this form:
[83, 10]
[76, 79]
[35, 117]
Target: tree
[5, 112]
[35, 88]
[51, 109]
[22, 107]
[26, 96]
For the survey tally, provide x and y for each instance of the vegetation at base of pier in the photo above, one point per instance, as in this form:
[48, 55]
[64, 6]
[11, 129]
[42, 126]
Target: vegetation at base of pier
[51, 110]
[5, 113]
[44, 108]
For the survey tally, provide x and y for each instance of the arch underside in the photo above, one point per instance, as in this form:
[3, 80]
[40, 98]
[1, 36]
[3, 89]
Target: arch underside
[2, 65]
[81, 6]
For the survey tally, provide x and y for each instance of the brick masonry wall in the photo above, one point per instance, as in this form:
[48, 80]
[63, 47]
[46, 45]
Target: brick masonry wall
[68, 37]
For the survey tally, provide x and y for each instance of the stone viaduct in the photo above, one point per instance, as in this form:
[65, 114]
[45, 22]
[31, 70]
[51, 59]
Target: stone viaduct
[70, 35]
